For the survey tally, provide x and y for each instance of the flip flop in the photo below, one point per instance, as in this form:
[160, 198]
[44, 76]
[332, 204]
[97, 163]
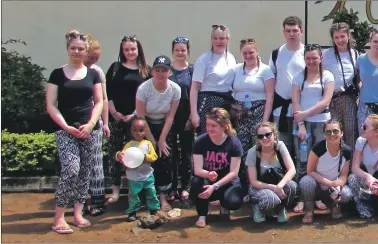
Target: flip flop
[320, 205]
[82, 224]
[184, 195]
[308, 218]
[215, 203]
[200, 224]
[166, 207]
[113, 199]
[62, 229]
[299, 207]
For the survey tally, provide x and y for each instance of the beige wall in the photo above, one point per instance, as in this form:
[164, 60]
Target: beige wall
[42, 24]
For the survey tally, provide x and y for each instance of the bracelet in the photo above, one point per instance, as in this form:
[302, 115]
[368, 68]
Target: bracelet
[115, 112]
[93, 123]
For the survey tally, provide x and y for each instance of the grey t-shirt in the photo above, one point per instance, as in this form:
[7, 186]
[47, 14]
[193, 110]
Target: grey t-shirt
[369, 158]
[264, 166]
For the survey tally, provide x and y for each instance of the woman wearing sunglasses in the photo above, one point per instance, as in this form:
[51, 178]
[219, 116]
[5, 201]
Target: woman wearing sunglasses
[271, 171]
[216, 157]
[367, 66]
[364, 167]
[253, 88]
[96, 205]
[74, 102]
[182, 72]
[123, 79]
[340, 60]
[212, 78]
[327, 172]
[312, 91]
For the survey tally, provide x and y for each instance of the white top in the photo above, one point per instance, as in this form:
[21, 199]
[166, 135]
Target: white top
[250, 86]
[330, 62]
[369, 158]
[214, 71]
[289, 63]
[158, 104]
[312, 94]
[328, 166]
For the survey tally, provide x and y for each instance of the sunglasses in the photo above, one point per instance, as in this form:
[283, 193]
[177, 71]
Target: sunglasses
[266, 135]
[312, 47]
[334, 131]
[222, 27]
[181, 39]
[249, 40]
[364, 127]
[73, 36]
[129, 38]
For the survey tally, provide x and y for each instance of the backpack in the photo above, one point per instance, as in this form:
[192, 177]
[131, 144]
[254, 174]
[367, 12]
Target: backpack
[275, 56]
[272, 175]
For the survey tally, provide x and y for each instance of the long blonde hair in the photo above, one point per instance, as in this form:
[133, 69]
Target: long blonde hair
[273, 127]
[222, 117]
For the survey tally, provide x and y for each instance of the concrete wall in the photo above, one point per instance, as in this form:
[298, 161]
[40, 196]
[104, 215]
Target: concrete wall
[42, 24]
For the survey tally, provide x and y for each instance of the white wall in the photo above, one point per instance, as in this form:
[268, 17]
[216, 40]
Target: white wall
[43, 24]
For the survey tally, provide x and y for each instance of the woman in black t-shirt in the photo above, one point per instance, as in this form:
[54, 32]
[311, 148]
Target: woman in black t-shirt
[123, 79]
[74, 101]
[216, 156]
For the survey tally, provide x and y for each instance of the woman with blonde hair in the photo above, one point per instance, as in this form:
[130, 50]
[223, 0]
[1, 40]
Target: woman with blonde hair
[216, 156]
[212, 78]
[365, 167]
[271, 171]
[74, 102]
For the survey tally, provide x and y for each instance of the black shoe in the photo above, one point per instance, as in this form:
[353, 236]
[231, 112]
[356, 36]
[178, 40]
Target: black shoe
[132, 217]
[153, 212]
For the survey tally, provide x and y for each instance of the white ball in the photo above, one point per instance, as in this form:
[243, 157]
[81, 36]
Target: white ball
[133, 157]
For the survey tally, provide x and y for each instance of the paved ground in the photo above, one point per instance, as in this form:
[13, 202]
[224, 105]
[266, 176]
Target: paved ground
[28, 218]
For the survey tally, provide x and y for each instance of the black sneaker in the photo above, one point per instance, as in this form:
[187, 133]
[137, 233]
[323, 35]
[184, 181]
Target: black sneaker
[132, 217]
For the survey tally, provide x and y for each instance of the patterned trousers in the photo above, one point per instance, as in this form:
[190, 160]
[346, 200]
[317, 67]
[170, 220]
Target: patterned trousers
[206, 102]
[365, 208]
[268, 200]
[344, 108]
[310, 189]
[362, 113]
[76, 157]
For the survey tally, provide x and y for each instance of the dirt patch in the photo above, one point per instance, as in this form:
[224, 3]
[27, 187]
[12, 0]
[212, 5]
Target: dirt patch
[28, 217]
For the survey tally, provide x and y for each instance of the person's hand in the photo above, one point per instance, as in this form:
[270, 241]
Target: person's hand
[127, 118]
[106, 130]
[195, 120]
[212, 176]
[163, 148]
[207, 193]
[72, 131]
[85, 130]
[370, 181]
[118, 116]
[302, 133]
[336, 183]
[188, 125]
[300, 116]
[120, 159]
[280, 192]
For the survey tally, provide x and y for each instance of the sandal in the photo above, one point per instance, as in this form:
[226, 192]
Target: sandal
[184, 195]
[215, 203]
[320, 205]
[96, 211]
[308, 218]
[62, 229]
[82, 224]
[113, 199]
[172, 196]
[299, 207]
[201, 223]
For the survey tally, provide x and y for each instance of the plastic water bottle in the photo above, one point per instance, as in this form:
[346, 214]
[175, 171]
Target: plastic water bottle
[303, 148]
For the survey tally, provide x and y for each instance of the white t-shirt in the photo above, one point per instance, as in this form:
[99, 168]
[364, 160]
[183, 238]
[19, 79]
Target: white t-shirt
[289, 63]
[312, 94]
[330, 62]
[214, 71]
[328, 166]
[158, 104]
[369, 158]
[250, 86]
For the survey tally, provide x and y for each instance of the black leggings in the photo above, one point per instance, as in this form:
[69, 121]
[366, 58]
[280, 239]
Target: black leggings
[230, 195]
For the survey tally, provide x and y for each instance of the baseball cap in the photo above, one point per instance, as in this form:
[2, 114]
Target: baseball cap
[162, 61]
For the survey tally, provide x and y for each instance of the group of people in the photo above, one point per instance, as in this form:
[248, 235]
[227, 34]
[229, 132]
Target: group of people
[296, 124]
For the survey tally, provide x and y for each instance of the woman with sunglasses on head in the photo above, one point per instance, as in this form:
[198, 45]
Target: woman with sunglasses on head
[182, 72]
[327, 172]
[123, 79]
[157, 100]
[96, 205]
[253, 88]
[216, 157]
[340, 60]
[271, 171]
[367, 66]
[364, 167]
[312, 91]
[74, 101]
[212, 78]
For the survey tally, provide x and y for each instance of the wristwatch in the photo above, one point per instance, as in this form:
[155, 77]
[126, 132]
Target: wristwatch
[216, 186]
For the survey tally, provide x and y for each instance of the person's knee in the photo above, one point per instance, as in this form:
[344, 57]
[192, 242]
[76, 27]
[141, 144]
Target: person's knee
[352, 179]
[307, 182]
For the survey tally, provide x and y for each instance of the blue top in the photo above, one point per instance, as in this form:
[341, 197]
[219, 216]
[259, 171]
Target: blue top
[369, 78]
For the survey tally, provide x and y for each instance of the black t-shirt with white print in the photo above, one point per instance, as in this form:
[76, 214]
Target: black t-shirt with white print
[327, 165]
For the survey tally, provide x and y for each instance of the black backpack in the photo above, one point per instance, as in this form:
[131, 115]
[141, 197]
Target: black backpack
[272, 175]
